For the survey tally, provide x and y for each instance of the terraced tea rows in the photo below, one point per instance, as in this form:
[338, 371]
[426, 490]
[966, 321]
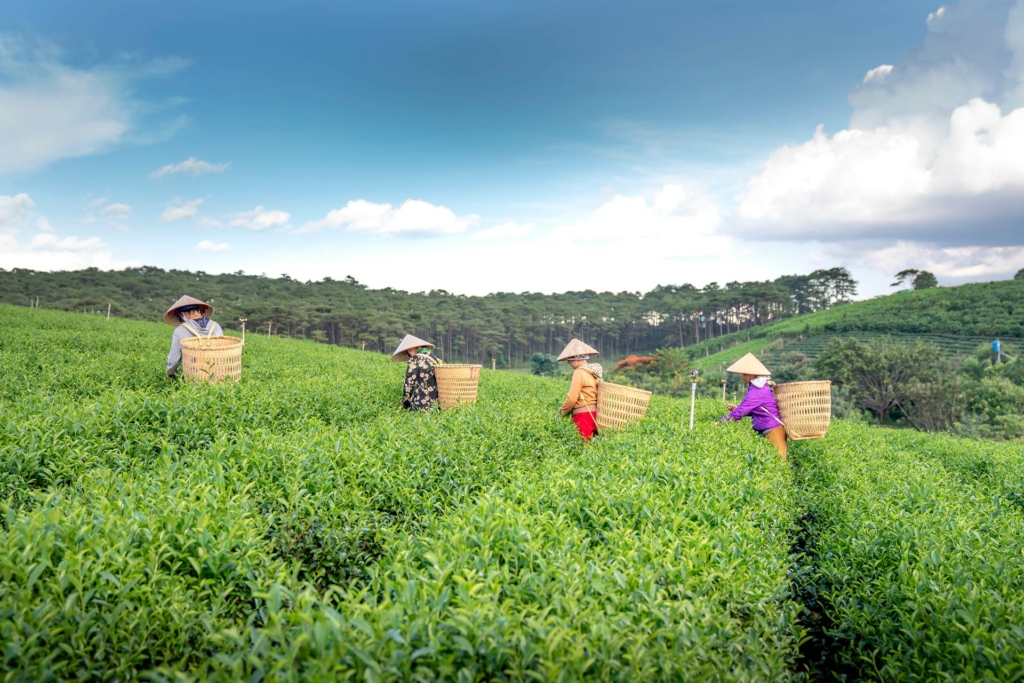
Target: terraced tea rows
[300, 526]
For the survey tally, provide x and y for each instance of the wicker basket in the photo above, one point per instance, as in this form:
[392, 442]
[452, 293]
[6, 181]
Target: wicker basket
[457, 384]
[806, 408]
[211, 359]
[618, 405]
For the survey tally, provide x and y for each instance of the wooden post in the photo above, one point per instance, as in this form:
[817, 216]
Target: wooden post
[270, 326]
[723, 389]
[243, 321]
[364, 346]
[108, 311]
[494, 364]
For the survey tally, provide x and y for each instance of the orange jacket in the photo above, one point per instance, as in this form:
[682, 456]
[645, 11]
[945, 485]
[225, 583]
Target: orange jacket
[582, 391]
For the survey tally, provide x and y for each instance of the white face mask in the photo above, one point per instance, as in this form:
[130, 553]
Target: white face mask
[760, 381]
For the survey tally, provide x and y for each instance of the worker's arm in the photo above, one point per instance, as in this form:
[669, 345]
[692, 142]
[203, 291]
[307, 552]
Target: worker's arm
[574, 392]
[746, 407]
[410, 382]
[174, 356]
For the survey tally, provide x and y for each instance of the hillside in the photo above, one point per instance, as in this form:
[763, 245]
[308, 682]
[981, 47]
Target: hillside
[957, 318]
[506, 327]
[299, 526]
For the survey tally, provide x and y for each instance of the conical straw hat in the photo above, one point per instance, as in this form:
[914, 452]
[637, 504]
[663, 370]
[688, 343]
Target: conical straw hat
[171, 316]
[749, 365]
[577, 348]
[409, 342]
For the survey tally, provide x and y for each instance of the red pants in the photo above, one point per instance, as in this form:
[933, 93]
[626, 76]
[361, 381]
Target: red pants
[585, 423]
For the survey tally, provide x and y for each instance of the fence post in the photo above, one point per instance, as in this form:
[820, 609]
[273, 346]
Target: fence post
[693, 395]
[108, 311]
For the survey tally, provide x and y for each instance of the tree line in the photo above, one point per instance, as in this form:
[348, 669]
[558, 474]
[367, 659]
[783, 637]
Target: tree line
[510, 327]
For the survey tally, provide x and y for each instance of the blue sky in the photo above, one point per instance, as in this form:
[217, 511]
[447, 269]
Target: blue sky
[673, 141]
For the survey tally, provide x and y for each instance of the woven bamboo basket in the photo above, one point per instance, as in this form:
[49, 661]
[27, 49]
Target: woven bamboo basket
[457, 383]
[618, 405]
[806, 408]
[211, 359]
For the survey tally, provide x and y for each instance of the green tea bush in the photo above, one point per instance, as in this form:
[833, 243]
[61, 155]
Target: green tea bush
[299, 525]
[917, 553]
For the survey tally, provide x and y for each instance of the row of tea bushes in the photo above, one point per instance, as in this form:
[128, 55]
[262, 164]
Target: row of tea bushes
[919, 567]
[192, 531]
[654, 553]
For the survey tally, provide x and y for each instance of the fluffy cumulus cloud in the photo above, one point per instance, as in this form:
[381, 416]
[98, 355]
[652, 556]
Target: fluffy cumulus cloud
[191, 166]
[670, 234]
[180, 209]
[210, 245]
[50, 110]
[414, 216]
[45, 249]
[677, 216]
[260, 219]
[934, 154]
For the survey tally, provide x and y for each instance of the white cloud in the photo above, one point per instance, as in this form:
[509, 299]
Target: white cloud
[52, 242]
[51, 111]
[191, 166]
[510, 230]
[112, 214]
[260, 219]
[14, 211]
[929, 152]
[210, 245]
[953, 263]
[44, 250]
[180, 209]
[116, 211]
[679, 218]
[878, 73]
[206, 222]
[414, 216]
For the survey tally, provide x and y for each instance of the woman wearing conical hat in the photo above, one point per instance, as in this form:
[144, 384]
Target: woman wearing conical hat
[582, 398]
[192, 319]
[419, 392]
[759, 402]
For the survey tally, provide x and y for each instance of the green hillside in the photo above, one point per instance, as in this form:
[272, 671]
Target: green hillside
[299, 525]
[958, 319]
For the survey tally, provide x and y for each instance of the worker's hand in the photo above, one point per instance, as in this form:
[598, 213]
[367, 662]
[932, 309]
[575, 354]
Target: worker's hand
[731, 406]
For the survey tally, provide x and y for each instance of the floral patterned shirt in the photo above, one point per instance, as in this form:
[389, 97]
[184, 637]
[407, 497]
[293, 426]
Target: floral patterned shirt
[420, 388]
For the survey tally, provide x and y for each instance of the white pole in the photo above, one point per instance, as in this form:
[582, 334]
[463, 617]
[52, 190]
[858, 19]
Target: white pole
[693, 395]
[494, 364]
[108, 311]
[243, 321]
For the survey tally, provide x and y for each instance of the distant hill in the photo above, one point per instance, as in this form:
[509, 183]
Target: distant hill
[958, 319]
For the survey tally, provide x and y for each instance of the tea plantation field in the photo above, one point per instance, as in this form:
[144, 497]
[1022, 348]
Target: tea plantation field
[300, 526]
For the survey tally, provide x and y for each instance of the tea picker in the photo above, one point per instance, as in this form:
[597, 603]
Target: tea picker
[191, 318]
[582, 399]
[759, 402]
[419, 391]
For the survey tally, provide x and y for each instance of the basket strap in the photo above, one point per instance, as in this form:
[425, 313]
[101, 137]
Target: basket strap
[188, 326]
[769, 414]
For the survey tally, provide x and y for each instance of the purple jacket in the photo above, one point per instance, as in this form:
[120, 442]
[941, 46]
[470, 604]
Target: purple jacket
[761, 405]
